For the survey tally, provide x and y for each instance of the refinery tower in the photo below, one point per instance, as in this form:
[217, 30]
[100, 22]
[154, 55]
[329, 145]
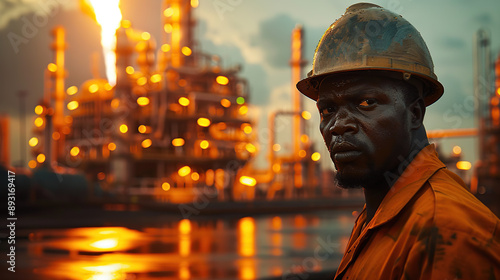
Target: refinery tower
[174, 120]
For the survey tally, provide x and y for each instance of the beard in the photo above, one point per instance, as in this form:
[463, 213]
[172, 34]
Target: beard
[372, 178]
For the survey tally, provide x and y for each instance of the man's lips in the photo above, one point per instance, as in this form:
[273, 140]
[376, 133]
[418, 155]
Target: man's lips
[344, 152]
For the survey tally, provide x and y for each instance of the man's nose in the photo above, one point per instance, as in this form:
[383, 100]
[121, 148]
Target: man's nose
[343, 123]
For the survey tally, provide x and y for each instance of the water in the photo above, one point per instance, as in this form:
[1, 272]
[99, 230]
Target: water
[203, 248]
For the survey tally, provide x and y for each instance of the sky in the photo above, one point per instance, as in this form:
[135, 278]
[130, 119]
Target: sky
[254, 34]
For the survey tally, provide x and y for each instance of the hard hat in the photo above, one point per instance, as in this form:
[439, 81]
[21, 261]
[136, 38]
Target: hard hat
[369, 37]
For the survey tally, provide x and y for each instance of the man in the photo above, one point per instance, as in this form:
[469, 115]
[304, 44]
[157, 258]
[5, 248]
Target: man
[372, 79]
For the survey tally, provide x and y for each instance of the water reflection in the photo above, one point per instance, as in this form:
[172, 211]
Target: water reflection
[228, 248]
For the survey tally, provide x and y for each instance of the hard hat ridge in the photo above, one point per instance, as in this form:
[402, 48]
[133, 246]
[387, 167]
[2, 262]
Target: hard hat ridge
[369, 37]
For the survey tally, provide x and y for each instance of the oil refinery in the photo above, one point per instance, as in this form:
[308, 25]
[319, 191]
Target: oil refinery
[167, 124]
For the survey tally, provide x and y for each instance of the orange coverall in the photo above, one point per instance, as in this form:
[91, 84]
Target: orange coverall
[429, 226]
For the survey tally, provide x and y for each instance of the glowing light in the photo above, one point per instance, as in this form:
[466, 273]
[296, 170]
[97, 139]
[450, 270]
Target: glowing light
[168, 12]
[222, 80]
[276, 222]
[156, 78]
[457, 150]
[184, 171]
[204, 122]
[247, 129]
[185, 226]
[111, 146]
[246, 241]
[142, 128]
[306, 115]
[52, 67]
[123, 128]
[74, 151]
[38, 109]
[243, 110]
[182, 83]
[304, 138]
[56, 135]
[101, 176]
[93, 88]
[204, 144]
[40, 158]
[498, 91]
[315, 156]
[146, 143]
[250, 148]
[186, 51]
[276, 147]
[72, 90]
[108, 16]
[165, 48]
[184, 101]
[464, 165]
[33, 141]
[126, 23]
[276, 167]
[165, 186]
[142, 81]
[108, 243]
[225, 103]
[73, 105]
[195, 176]
[115, 103]
[168, 28]
[195, 3]
[130, 70]
[142, 101]
[32, 164]
[145, 36]
[240, 100]
[248, 181]
[38, 122]
[178, 142]
[302, 153]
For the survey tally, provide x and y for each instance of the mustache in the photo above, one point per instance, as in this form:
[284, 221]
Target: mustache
[343, 144]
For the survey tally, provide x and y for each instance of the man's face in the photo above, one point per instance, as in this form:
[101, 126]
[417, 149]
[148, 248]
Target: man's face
[366, 127]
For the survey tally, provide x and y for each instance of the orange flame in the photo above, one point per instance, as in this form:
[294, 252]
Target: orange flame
[108, 16]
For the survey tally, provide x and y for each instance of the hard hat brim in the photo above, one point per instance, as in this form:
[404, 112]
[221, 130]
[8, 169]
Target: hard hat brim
[433, 89]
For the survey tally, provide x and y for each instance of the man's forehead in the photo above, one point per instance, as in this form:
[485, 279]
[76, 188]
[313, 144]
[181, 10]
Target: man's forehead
[349, 84]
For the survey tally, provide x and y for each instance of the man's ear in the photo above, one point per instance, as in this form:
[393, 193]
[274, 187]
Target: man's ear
[417, 112]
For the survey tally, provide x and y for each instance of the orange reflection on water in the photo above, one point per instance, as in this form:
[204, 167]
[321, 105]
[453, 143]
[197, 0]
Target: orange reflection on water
[107, 272]
[184, 237]
[105, 244]
[247, 269]
[246, 234]
[299, 222]
[184, 272]
[276, 223]
[105, 267]
[299, 237]
[97, 240]
[276, 242]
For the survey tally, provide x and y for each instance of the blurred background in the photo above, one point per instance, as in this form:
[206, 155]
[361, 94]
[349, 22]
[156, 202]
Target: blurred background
[166, 139]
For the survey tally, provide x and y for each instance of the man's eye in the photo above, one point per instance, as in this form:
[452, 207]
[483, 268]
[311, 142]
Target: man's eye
[326, 111]
[367, 103]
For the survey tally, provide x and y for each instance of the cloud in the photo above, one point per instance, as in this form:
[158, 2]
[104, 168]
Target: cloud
[484, 19]
[273, 38]
[453, 42]
[12, 10]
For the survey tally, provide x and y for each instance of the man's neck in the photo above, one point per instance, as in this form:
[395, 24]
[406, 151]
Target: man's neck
[373, 198]
[376, 193]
